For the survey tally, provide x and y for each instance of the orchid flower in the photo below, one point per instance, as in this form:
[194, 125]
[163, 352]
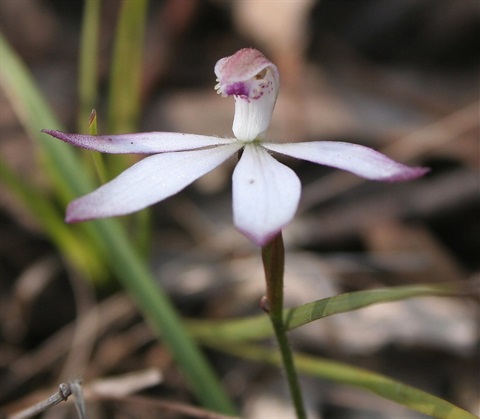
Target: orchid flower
[266, 193]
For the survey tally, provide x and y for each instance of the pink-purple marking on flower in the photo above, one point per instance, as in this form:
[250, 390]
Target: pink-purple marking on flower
[237, 89]
[266, 193]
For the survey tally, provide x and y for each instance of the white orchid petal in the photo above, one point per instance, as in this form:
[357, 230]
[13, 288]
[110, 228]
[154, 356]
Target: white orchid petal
[140, 142]
[149, 181]
[265, 195]
[354, 158]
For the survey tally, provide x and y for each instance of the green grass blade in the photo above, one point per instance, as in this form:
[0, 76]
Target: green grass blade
[88, 62]
[385, 387]
[57, 159]
[52, 222]
[124, 95]
[65, 167]
[137, 280]
[88, 84]
[343, 303]
[35, 114]
[96, 156]
[124, 99]
[258, 327]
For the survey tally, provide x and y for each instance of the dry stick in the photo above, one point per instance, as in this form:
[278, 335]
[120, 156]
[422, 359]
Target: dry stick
[114, 309]
[410, 147]
[430, 137]
[116, 389]
[31, 282]
[65, 390]
[79, 401]
[169, 406]
[442, 192]
[84, 333]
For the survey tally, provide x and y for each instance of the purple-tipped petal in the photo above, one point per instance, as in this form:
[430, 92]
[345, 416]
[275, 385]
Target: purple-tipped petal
[354, 158]
[149, 181]
[265, 195]
[140, 142]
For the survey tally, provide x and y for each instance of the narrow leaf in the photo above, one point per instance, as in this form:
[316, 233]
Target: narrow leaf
[258, 327]
[48, 216]
[88, 62]
[124, 96]
[57, 159]
[34, 113]
[380, 385]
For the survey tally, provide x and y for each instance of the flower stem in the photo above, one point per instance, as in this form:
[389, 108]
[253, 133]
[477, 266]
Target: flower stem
[273, 256]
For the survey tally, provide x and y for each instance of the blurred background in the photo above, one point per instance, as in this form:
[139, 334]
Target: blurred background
[400, 76]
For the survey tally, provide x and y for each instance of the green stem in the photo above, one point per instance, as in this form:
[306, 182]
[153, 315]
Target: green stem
[273, 256]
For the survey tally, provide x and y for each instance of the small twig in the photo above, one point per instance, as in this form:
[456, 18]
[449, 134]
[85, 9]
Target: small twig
[62, 394]
[169, 406]
[112, 312]
[116, 389]
[65, 390]
[412, 147]
[79, 401]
